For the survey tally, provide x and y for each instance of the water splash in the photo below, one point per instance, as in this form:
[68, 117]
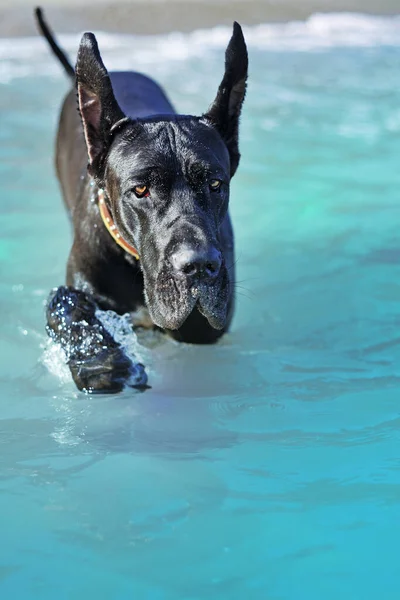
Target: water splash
[120, 328]
[55, 358]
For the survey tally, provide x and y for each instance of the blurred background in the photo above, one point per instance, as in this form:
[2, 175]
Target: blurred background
[160, 16]
[266, 466]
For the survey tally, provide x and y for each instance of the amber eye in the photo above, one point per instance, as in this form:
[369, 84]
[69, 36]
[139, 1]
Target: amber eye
[141, 191]
[215, 185]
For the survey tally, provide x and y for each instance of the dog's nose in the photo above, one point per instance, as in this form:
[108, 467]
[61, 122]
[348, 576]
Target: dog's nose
[197, 264]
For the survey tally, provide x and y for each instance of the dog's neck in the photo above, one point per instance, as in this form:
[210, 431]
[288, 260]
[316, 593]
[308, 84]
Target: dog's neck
[112, 228]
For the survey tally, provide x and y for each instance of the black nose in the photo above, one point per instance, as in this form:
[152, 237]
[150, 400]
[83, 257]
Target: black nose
[197, 264]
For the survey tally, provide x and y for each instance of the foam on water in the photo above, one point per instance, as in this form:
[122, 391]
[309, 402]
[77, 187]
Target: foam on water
[320, 31]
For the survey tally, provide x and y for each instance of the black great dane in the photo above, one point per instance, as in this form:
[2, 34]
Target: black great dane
[147, 191]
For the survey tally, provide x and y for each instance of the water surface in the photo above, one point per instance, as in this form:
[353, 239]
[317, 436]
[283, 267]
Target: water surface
[267, 466]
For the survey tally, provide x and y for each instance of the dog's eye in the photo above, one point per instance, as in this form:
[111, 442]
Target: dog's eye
[141, 191]
[215, 185]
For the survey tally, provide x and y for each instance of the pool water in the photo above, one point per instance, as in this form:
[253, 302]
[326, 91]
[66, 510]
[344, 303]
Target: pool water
[267, 466]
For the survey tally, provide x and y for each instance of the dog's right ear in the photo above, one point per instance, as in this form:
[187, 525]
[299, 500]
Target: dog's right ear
[97, 104]
[225, 112]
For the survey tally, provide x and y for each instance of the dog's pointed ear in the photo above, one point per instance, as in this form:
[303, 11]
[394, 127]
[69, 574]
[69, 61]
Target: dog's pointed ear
[97, 104]
[225, 112]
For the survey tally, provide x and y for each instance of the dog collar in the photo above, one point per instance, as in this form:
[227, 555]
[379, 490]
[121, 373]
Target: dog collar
[112, 228]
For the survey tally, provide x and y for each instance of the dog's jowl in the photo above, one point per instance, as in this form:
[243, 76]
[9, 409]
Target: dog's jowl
[147, 191]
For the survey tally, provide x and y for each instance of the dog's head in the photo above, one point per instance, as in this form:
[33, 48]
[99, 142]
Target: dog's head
[166, 181]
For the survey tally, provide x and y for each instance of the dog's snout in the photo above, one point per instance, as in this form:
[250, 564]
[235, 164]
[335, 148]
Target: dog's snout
[197, 264]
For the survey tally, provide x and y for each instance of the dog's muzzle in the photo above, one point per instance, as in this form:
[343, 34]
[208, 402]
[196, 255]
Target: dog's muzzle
[191, 285]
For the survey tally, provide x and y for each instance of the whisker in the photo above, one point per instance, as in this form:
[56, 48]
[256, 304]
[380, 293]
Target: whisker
[244, 295]
[250, 279]
[234, 263]
[251, 295]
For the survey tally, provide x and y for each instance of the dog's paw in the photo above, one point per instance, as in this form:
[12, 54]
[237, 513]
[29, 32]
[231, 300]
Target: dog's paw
[109, 371]
[67, 306]
[97, 362]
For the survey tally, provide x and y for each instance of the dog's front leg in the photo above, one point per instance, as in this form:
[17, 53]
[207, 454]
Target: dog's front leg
[97, 363]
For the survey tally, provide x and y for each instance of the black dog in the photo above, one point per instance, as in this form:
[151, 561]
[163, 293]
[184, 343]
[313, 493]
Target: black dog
[147, 190]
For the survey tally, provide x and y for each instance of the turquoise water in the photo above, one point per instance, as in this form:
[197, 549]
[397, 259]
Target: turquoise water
[266, 467]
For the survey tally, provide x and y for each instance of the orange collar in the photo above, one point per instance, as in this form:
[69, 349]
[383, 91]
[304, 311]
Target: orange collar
[112, 228]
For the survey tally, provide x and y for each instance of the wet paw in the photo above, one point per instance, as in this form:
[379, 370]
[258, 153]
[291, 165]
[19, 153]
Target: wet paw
[97, 362]
[109, 371]
[67, 306]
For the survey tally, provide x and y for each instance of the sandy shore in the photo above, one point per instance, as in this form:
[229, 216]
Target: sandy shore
[158, 16]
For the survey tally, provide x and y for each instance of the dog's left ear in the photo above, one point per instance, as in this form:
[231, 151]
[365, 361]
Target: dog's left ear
[224, 113]
[97, 104]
